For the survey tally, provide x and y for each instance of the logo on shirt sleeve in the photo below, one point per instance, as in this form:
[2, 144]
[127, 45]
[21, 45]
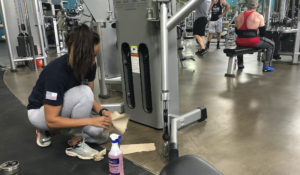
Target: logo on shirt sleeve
[51, 95]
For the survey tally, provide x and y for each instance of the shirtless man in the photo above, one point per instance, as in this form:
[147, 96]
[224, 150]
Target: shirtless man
[247, 24]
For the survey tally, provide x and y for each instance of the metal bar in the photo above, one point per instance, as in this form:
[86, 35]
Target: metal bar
[8, 39]
[102, 84]
[173, 128]
[116, 80]
[30, 34]
[164, 48]
[293, 8]
[119, 107]
[297, 43]
[43, 23]
[178, 122]
[231, 66]
[55, 29]
[282, 10]
[28, 59]
[268, 15]
[182, 13]
[288, 53]
[38, 17]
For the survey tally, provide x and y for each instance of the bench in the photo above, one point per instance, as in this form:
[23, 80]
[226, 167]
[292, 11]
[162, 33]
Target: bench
[233, 53]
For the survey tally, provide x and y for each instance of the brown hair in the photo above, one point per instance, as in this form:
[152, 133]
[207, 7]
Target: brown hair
[80, 42]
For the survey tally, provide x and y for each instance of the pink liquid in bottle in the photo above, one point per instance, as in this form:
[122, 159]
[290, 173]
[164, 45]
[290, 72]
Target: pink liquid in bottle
[116, 164]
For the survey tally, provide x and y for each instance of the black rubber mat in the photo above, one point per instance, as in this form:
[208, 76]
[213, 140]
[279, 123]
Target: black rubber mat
[17, 142]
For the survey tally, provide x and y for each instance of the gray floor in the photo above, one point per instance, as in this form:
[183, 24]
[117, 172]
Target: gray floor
[253, 120]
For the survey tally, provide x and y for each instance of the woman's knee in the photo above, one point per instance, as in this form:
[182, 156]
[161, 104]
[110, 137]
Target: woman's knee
[93, 131]
[83, 92]
[37, 118]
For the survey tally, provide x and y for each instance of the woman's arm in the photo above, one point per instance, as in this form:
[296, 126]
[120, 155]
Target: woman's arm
[53, 119]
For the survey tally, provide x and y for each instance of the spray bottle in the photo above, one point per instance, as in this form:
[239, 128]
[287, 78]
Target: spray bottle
[115, 156]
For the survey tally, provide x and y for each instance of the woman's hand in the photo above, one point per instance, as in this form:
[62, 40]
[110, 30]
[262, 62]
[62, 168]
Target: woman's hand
[107, 114]
[102, 122]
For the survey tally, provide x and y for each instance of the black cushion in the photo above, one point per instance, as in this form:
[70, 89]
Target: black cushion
[188, 37]
[240, 51]
[189, 165]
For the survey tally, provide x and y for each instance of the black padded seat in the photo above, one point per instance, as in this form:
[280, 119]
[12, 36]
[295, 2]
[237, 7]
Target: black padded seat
[180, 48]
[240, 51]
[188, 37]
[189, 165]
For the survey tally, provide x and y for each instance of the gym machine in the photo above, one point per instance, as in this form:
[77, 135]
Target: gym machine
[147, 47]
[23, 28]
[283, 26]
[51, 28]
[103, 19]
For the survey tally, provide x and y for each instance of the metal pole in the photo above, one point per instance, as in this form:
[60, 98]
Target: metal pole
[282, 10]
[297, 43]
[102, 84]
[43, 26]
[31, 42]
[174, 128]
[182, 13]
[38, 17]
[164, 71]
[293, 9]
[164, 48]
[268, 15]
[55, 29]
[8, 39]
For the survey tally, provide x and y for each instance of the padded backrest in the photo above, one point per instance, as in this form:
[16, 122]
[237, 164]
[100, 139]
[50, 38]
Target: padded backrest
[189, 165]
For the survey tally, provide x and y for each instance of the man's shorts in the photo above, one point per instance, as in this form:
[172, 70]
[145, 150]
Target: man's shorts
[199, 26]
[215, 26]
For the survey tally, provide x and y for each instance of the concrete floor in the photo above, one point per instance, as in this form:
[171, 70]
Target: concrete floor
[253, 124]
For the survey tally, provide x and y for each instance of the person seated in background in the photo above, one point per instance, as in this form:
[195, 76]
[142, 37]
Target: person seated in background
[247, 24]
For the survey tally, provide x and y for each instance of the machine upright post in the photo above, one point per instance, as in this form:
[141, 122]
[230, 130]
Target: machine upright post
[282, 10]
[268, 15]
[164, 49]
[55, 29]
[164, 71]
[102, 84]
[39, 25]
[31, 42]
[170, 124]
[8, 39]
[297, 43]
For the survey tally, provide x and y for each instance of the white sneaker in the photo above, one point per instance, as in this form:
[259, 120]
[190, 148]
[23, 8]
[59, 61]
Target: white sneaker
[82, 151]
[43, 138]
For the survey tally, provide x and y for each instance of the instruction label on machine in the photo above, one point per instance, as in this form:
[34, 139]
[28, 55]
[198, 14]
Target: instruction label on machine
[135, 63]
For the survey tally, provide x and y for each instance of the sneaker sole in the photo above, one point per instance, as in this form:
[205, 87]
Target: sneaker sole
[43, 145]
[203, 53]
[72, 154]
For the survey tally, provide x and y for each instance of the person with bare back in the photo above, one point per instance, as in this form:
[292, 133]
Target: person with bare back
[247, 24]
